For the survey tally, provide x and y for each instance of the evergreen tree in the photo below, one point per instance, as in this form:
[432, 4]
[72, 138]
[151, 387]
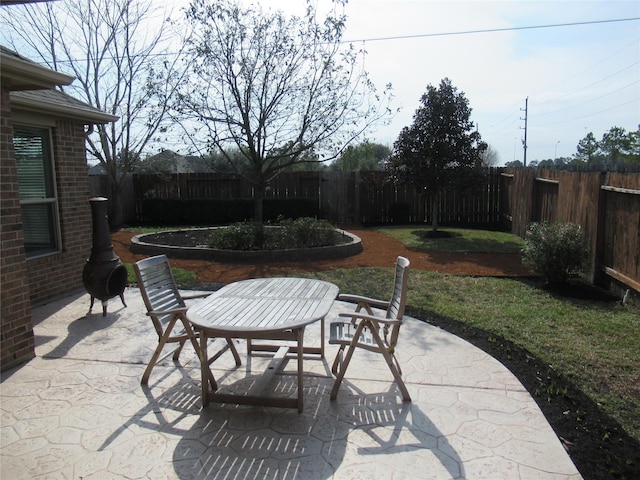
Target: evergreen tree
[442, 148]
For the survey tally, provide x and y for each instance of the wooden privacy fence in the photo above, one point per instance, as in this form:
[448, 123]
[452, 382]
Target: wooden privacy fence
[343, 197]
[605, 205]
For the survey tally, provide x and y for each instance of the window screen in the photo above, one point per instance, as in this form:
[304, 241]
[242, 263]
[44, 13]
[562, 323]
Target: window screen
[36, 185]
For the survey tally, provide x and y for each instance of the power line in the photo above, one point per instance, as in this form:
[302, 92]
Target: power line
[590, 85]
[489, 30]
[597, 113]
[593, 99]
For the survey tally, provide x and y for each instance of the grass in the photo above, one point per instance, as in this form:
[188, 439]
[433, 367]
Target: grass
[460, 240]
[595, 344]
[184, 278]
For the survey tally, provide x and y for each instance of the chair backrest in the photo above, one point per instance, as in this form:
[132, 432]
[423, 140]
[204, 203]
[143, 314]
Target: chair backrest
[157, 286]
[399, 296]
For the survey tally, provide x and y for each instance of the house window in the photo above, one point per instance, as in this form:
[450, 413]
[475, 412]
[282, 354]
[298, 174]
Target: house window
[36, 184]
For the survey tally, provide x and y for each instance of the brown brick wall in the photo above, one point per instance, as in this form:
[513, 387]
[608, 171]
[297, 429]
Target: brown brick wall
[23, 282]
[16, 330]
[56, 275]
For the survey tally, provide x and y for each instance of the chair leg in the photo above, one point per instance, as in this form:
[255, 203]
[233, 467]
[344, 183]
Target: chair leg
[347, 359]
[176, 354]
[203, 354]
[341, 372]
[156, 354]
[337, 362]
[234, 351]
[395, 371]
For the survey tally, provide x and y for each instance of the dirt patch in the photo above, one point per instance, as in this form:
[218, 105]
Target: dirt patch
[378, 251]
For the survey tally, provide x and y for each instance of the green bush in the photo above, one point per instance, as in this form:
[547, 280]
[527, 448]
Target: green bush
[555, 250]
[300, 233]
[237, 236]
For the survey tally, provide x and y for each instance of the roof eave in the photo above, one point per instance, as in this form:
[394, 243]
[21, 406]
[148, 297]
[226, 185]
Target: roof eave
[18, 74]
[88, 117]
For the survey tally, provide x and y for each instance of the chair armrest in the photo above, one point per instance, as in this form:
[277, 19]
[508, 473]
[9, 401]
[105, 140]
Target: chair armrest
[167, 312]
[373, 318]
[192, 297]
[346, 297]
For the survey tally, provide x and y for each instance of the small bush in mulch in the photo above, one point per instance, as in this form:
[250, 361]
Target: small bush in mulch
[299, 233]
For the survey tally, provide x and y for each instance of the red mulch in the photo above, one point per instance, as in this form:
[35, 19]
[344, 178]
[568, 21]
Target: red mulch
[379, 251]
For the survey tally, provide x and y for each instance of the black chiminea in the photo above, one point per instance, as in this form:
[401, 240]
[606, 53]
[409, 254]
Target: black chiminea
[104, 276]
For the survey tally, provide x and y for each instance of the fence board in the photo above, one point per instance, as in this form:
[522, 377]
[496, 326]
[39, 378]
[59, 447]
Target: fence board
[621, 245]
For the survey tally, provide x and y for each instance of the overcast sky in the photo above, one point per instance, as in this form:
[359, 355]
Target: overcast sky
[578, 78]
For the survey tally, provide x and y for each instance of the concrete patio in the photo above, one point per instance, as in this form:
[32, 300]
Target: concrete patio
[78, 411]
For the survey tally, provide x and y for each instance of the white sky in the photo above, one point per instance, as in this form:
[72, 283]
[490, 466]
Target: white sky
[578, 79]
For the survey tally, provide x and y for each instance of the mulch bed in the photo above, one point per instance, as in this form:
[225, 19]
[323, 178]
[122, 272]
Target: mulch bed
[596, 443]
[379, 251]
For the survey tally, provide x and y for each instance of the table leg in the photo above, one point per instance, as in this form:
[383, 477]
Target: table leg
[322, 338]
[207, 379]
[300, 335]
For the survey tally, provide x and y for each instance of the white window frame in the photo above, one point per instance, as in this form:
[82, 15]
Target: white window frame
[51, 201]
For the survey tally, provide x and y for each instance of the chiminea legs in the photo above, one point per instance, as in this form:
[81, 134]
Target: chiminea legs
[104, 304]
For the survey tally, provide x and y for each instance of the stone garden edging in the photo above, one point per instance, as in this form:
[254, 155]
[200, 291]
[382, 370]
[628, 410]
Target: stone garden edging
[352, 247]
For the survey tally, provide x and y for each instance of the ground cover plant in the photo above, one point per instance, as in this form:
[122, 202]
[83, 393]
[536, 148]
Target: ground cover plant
[283, 234]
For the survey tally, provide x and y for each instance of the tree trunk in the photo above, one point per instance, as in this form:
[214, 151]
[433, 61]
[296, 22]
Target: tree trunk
[435, 211]
[258, 198]
[258, 216]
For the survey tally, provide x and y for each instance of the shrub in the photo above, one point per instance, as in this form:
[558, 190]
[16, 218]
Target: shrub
[555, 250]
[237, 236]
[299, 233]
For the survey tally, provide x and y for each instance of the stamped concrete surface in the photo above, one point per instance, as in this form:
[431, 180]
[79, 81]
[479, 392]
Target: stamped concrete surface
[78, 411]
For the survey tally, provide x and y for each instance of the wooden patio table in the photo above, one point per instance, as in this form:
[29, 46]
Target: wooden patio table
[266, 308]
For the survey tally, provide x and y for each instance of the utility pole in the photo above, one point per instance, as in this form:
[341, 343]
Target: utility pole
[524, 142]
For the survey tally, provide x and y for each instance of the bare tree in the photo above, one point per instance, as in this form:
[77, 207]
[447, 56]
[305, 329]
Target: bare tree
[273, 87]
[111, 47]
[490, 157]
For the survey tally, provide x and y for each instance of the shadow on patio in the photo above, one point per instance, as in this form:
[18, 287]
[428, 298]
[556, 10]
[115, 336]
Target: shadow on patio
[78, 410]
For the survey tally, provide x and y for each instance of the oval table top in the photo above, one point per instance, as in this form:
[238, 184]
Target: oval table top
[264, 305]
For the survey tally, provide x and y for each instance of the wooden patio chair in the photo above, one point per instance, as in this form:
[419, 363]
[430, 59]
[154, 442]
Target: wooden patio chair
[371, 331]
[167, 310]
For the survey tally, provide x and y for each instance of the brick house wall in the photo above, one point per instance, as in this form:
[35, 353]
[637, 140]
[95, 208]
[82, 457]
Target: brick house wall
[16, 330]
[59, 274]
[28, 96]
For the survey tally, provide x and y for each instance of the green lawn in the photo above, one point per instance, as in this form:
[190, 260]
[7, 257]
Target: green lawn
[460, 240]
[184, 278]
[594, 344]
